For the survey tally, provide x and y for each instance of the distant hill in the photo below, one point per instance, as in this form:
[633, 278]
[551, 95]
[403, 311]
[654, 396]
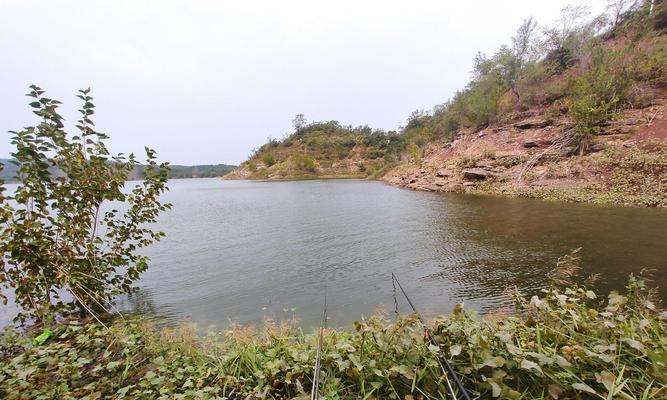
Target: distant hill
[194, 171]
[324, 150]
[8, 172]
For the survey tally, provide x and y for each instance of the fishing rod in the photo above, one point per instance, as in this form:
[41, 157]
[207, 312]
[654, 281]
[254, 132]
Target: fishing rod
[446, 367]
[318, 358]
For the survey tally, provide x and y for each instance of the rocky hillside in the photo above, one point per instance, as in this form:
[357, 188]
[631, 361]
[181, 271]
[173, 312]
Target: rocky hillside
[574, 112]
[626, 162]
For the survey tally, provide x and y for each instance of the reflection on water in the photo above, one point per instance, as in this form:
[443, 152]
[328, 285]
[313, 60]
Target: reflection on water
[239, 251]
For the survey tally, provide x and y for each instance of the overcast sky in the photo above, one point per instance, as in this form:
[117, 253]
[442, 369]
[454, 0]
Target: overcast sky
[207, 81]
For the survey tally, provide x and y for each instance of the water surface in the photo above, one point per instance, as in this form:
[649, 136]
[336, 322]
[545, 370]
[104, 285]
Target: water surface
[241, 251]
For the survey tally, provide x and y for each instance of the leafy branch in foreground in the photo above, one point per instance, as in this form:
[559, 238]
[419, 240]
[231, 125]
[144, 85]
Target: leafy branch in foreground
[65, 242]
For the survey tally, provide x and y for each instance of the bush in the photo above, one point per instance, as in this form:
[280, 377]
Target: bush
[599, 93]
[60, 231]
[588, 114]
[268, 159]
[489, 153]
[467, 160]
[414, 152]
[304, 163]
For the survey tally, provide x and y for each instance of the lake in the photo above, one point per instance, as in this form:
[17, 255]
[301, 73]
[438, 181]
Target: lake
[240, 251]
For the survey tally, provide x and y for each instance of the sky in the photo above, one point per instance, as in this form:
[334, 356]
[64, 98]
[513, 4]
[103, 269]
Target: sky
[205, 82]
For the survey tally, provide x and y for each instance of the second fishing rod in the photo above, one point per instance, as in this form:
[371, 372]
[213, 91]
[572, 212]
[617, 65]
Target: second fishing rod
[444, 364]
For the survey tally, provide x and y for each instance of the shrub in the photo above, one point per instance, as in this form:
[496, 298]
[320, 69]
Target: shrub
[304, 163]
[467, 160]
[588, 114]
[414, 152]
[489, 153]
[268, 159]
[599, 93]
[60, 232]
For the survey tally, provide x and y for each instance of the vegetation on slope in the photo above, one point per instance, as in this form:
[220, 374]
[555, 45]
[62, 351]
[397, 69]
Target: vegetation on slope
[576, 112]
[565, 344]
[324, 149]
[556, 97]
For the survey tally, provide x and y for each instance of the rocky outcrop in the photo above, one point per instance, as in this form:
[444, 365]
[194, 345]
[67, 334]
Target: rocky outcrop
[477, 174]
[533, 123]
[530, 143]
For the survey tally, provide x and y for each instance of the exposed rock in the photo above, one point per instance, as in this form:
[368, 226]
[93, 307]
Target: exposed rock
[442, 174]
[481, 134]
[632, 121]
[469, 184]
[597, 147]
[529, 143]
[533, 123]
[568, 150]
[477, 174]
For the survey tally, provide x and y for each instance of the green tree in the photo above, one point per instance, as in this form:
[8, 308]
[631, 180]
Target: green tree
[299, 121]
[70, 233]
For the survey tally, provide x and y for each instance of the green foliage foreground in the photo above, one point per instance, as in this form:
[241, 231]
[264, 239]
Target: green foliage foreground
[568, 343]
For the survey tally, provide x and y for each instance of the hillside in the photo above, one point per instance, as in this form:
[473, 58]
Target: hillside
[323, 150]
[576, 112]
[525, 155]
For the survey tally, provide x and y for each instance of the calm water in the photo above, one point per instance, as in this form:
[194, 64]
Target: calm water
[240, 251]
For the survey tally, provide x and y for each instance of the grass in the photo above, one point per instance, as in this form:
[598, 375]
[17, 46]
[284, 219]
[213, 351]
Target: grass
[567, 343]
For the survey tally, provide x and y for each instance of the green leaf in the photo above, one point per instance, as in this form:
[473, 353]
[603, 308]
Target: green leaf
[43, 337]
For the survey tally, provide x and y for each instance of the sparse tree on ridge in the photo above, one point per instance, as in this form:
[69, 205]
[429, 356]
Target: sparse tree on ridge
[299, 121]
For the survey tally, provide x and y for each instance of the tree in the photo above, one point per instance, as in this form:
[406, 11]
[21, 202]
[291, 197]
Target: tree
[566, 42]
[70, 233]
[299, 121]
[513, 61]
[617, 9]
